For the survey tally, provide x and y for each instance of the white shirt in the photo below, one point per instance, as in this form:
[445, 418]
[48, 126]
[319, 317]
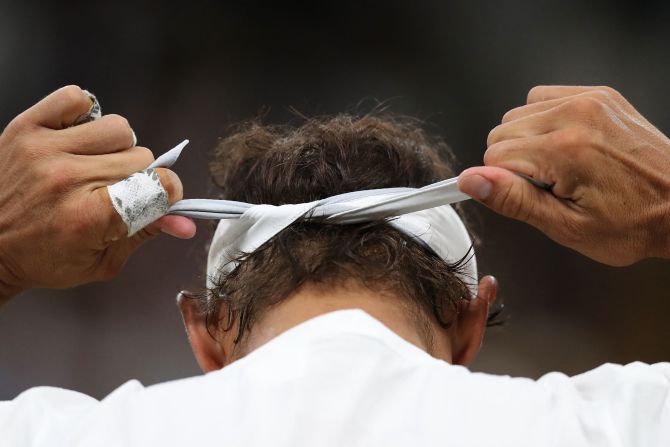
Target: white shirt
[344, 379]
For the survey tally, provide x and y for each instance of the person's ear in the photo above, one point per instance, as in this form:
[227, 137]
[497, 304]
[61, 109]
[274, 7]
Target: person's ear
[208, 352]
[470, 326]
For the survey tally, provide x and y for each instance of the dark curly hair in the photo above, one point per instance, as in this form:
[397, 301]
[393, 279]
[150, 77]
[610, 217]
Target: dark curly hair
[320, 158]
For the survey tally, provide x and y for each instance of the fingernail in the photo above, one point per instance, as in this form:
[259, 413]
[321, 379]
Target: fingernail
[476, 186]
[134, 138]
[90, 95]
[95, 111]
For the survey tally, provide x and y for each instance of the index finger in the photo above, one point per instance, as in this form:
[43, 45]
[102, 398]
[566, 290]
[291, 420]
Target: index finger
[58, 110]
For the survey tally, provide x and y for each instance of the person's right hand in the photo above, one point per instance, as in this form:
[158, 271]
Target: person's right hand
[608, 166]
[57, 224]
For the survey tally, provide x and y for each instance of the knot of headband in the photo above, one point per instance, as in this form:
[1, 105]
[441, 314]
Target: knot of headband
[421, 213]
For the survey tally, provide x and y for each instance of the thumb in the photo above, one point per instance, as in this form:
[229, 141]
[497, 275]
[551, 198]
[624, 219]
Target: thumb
[508, 194]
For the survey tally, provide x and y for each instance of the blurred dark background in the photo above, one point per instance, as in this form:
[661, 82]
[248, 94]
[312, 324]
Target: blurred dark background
[191, 69]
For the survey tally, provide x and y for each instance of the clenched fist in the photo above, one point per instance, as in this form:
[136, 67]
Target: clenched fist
[608, 168]
[57, 224]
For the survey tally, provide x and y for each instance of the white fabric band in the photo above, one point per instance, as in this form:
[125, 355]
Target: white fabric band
[440, 227]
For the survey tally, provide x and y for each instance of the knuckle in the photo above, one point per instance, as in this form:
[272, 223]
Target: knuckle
[510, 115]
[569, 139]
[564, 139]
[145, 154]
[72, 89]
[536, 93]
[609, 92]
[494, 154]
[586, 105]
[117, 122]
[18, 124]
[73, 94]
[493, 136]
[603, 96]
[599, 94]
[609, 96]
[573, 137]
[58, 175]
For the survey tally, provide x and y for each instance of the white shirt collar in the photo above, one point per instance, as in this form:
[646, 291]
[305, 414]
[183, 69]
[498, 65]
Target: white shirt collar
[339, 323]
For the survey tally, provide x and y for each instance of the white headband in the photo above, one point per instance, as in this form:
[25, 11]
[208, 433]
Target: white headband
[439, 228]
[422, 213]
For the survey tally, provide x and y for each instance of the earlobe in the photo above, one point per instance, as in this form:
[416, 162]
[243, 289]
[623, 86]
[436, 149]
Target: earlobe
[471, 323]
[208, 352]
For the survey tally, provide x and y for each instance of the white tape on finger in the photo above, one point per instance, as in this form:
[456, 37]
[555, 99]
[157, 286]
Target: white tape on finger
[93, 113]
[139, 199]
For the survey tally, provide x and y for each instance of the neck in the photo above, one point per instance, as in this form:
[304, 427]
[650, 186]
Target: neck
[311, 301]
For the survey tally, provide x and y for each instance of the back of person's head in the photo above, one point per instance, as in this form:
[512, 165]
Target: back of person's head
[323, 157]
